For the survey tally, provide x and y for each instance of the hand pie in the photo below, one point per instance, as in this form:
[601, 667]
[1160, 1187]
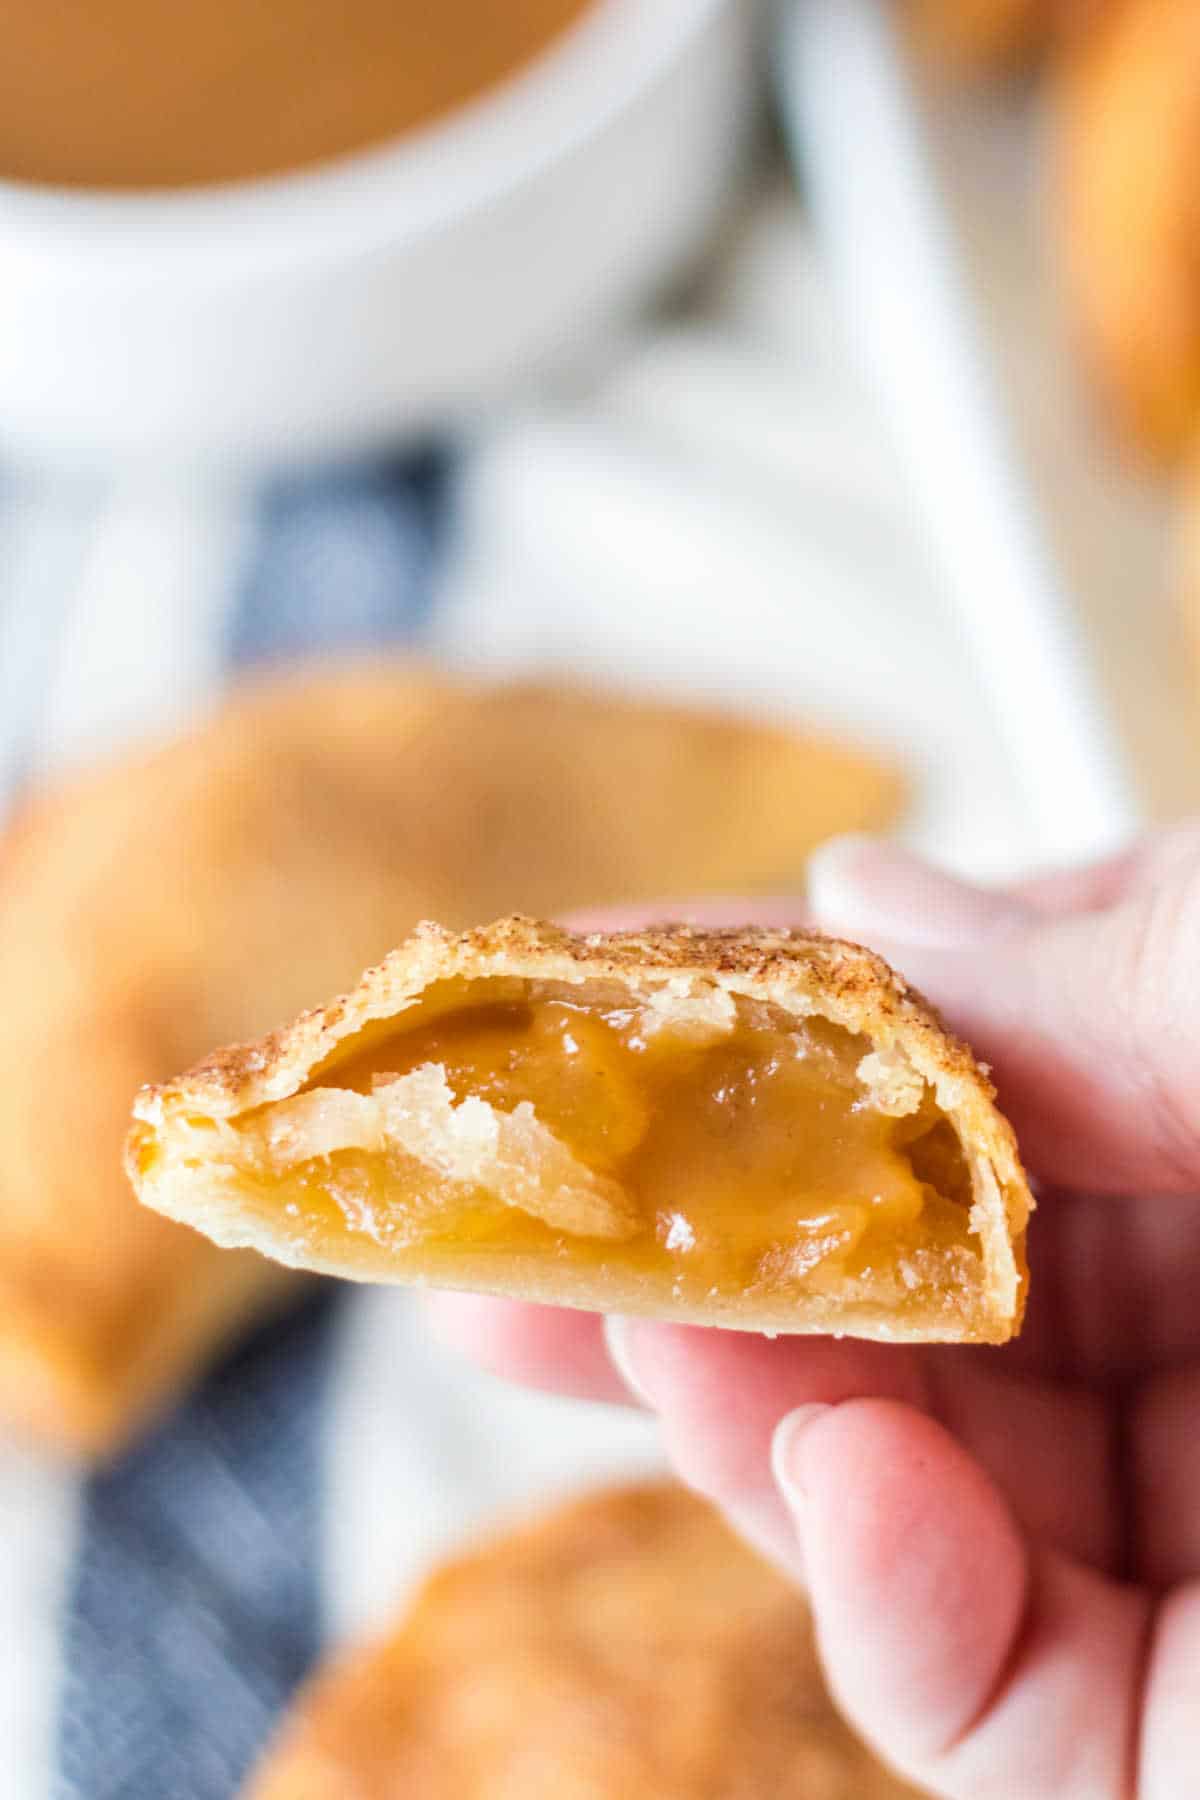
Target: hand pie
[1128, 105]
[976, 36]
[757, 1129]
[626, 1647]
[199, 892]
[145, 905]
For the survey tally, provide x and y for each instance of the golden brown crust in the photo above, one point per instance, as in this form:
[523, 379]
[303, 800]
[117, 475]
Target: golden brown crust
[802, 972]
[625, 1647]
[1127, 102]
[857, 989]
[197, 891]
[62, 1384]
[978, 37]
[140, 912]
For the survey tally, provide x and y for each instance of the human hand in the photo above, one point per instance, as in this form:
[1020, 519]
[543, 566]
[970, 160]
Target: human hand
[1002, 1547]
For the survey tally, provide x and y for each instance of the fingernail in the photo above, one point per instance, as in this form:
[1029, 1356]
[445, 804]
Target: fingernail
[618, 1338]
[865, 887]
[786, 1455]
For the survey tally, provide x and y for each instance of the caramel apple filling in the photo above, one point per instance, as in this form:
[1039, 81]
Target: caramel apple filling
[712, 1143]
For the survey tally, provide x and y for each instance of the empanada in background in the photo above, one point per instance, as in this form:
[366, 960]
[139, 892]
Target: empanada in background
[199, 892]
[626, 1646]
[1127, 126]
[974, 37]
[759, 1129]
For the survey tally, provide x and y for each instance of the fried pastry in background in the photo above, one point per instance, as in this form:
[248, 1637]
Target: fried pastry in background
[759, 1129]
[199, 892]
[554, 788]
[977, 37]
[624, 1647]
[1127, 105]
[1186, 555]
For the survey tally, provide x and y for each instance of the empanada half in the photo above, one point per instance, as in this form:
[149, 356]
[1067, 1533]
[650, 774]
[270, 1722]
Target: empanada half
[759, 1129]
[625, 1646]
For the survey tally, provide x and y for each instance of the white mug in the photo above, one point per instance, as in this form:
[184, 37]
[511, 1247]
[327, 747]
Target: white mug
[325, 311]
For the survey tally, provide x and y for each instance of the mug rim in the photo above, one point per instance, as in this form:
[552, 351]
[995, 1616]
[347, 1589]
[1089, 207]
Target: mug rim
[385, 194]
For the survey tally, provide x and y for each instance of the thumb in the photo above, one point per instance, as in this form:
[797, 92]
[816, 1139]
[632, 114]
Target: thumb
[1090, 1019]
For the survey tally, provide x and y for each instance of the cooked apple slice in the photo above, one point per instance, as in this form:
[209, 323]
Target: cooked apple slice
[758, 1129]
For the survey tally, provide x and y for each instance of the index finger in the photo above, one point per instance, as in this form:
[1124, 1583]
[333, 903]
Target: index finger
[1087, 1017]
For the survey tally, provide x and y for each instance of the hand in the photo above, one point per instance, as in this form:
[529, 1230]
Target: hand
[1002, 1547]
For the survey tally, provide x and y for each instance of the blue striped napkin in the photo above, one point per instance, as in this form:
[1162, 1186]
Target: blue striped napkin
[193, 1604]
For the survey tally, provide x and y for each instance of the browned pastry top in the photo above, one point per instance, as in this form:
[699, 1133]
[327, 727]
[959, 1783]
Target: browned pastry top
[856, 988]
[625, 1647]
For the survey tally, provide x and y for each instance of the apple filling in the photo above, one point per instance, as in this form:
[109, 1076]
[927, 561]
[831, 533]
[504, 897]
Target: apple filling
[714, 1143]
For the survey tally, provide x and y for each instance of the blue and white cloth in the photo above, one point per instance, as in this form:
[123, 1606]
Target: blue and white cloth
[718, 518]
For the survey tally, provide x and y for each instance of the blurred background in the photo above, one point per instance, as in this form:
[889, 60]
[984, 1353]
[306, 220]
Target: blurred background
[556, 452]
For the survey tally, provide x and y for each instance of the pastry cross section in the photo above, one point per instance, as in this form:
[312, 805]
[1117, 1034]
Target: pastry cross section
[764, 1130]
